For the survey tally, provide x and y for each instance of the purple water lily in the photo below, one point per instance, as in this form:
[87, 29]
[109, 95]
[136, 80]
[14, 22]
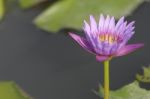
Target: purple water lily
[107, 39]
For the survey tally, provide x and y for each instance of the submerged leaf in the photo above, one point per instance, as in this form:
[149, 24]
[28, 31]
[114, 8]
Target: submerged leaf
[130, 91]
[71, 13]
[9, 90]
[29, 3]
[1, 9]
[146, 75]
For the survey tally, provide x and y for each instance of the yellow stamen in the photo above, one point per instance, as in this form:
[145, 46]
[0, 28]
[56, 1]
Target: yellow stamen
[108, 37]
[102, 38]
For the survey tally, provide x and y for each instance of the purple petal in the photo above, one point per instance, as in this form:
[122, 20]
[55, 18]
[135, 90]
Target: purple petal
[93, 24]
[106, 48]
[111, 27]
[114, 48]
[89, 36]
[98, 46]
[128, 36]
[121, 20]
[129, 29]
[101, 58]
[122, 28]
[101, 23]
[86, 28]
[106, 24]
[128, 49]
[128, 33]
[130, 24]
[82, 42]
[125, 39]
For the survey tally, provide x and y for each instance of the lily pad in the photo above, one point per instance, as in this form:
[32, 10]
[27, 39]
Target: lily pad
[9, 90]
[130, 91]
[29, 3]
[71, 13]
[1, 9]
[146, 75]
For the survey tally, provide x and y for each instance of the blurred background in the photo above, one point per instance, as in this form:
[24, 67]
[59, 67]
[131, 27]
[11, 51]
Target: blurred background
[53, 66]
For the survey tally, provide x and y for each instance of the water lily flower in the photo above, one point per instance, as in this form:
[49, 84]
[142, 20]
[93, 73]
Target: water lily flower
[107, 38]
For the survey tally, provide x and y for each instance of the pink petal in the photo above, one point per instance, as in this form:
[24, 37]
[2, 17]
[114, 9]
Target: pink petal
[82, 42]
[128, 49]
[101, 58]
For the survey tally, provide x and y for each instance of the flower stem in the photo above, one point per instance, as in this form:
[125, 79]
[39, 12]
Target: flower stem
[106, 79]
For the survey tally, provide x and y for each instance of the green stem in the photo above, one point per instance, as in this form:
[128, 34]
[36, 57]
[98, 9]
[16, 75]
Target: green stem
[106, 79]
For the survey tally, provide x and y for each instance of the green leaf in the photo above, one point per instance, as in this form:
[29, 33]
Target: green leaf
[146, 75]
[29, 3]
[9, 90]
[71, 13]
[1, 9]
[130, 91]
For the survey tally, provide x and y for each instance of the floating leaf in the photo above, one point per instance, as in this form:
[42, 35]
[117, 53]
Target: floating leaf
[29, 3]
[1, 9]
[9, 90]
[71, 13]
[130, 91]
[146, 75]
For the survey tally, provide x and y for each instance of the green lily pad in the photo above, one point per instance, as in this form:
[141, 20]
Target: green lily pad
[71, 13]
[9, 90]
[1, 9]
[130, 91]
[29, 3]
[146, 75]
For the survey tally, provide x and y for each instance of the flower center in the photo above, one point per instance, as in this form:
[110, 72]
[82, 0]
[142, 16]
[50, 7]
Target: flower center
[108, 37]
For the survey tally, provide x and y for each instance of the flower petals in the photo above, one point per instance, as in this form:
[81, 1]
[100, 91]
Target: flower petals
[121, 20]
[125, 39]
[82, 42]
[86, 28]
[101, 23]
[128, 49]
[107, 38]
[101, 58]
[129, 28]
[122, 28]
[93, 24]
[112, 25]
[106, 24]
[130, 24]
